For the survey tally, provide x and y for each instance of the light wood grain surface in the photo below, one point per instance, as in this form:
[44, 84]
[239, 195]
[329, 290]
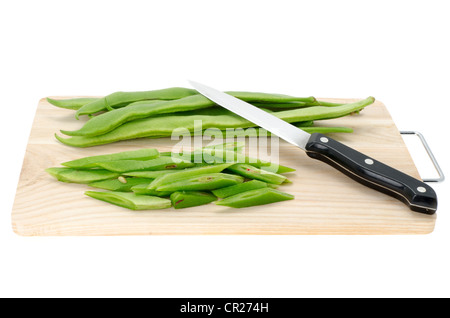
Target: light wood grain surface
[326, 201]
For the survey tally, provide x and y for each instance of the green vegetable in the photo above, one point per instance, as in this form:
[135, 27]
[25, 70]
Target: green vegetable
[255, 197]
[93, 161]
[143, 189]
[161, 163]
[239, 188]
[207, 181]
[118, 99]
[256, 131]
[71, 103]
[80, 176]
[186, 199]
[251, 172]
[186, 173]
[108, 121]
[149, 173]
[167, 125]
[118, 184]
[218, 156]
[131, 200]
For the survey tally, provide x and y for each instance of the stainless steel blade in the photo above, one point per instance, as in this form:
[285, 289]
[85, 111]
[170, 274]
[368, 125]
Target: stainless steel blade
[269, 122]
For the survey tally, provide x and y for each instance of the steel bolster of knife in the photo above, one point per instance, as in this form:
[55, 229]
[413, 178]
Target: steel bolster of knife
[416, 194]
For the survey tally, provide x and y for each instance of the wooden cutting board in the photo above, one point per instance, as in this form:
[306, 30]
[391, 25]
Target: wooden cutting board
[326, 201]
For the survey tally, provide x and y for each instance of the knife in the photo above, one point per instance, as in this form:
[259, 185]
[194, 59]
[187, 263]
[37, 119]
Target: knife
[366, 170]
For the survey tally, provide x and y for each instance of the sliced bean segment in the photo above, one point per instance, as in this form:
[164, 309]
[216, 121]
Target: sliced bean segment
[143, 189]
[93, 161]
[148, 173]
[188, 172]
[81, 176]
[251, 172]
[208, 181]
[131, 200]
[255, 197]
[161, 163]
[187, 199]
[118, 185]
[217, 156]
[239, 188]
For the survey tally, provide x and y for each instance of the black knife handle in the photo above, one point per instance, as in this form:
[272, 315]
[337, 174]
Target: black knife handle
[419, 196]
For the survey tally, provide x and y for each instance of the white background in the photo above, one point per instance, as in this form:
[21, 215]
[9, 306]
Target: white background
[397, 51]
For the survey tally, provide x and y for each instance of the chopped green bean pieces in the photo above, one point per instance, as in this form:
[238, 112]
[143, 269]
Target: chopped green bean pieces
[130, 200]
[118, 185]
[239, 188]
[207, 181]
[255, 197]
[93, 161]
[187, 199]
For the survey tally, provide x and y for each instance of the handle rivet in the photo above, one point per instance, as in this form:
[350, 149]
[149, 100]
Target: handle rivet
[368, 161]
[421, 189]
[323, 139]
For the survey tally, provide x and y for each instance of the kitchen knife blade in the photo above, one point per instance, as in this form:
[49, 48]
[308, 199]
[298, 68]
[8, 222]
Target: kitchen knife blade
[419, 196]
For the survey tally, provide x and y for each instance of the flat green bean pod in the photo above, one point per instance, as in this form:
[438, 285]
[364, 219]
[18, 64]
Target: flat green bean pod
[71, 103]
[187, 199]
[251, 172]
[257, 131]
[161, 163]
[208, 181]
[219, 156]
[165, 125]
[143, 189]
[239, 188]
[123, 98]
[80, 176]
[120, 184]
[93, 161]
[188, 172]
[152, 174]
[255, 197]
[131, 200]
[108, 121]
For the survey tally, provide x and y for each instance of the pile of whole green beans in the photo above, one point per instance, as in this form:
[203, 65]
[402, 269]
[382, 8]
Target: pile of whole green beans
[146, 179]
[157, 113]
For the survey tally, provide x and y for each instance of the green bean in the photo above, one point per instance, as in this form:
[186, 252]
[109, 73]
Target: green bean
[161, 163]
[80, 176]
[143, 189]
[148, 173]
[131, 200]
[255, 197]
[118, 185]
[239, 188]
[123, 98]
[208, 181]
[188, 172]
[278, 106]
[219, 156]
[324, 103]
[164, 125]
[251, 172]
[187, 199]
[108, 121]
[93, 161]
[71, 103]
[256, 132]
[236, 146]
